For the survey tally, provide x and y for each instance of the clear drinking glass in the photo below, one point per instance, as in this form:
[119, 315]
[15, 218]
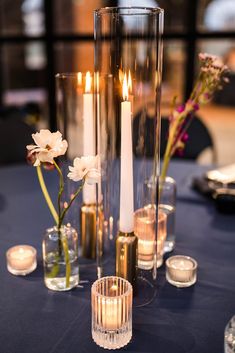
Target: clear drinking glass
[111, 300]
[60, 258]
[144, 227]
[229, 336]
[167, 204]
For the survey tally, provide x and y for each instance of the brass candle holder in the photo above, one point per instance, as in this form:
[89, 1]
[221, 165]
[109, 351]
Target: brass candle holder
[126, 257]
[88, 231]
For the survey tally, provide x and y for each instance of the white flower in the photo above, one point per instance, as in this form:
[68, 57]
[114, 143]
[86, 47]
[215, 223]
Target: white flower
[85, 167]
[48, 146]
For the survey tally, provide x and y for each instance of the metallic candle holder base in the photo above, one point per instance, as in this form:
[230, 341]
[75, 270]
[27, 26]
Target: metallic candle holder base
[127, 257]
[88, 231]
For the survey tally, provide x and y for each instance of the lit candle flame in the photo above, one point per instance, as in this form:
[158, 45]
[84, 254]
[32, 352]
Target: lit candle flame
[79, 78]
[129, 82]
[88, 82]
[120, 74]
[125, 88]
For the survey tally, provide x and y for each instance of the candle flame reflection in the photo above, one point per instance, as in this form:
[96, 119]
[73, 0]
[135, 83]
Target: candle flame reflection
[88, 82]
[129, 82]
[79, 78]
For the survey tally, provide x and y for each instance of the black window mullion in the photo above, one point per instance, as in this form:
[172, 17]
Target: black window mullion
[191, 46]
[1, 75]
[50, 69]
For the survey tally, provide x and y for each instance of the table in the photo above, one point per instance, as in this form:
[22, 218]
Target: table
[191, 320]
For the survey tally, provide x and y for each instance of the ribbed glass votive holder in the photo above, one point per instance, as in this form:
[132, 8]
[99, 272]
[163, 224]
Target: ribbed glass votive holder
[111, 312]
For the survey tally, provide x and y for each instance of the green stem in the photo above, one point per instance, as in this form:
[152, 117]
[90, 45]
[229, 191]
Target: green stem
[166, 161]
[67, 260]
[61, 189]
[71, 201]
[46, 195]
[64, 240]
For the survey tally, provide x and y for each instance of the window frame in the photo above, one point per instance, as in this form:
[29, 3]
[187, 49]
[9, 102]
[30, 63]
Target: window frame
[189, 37]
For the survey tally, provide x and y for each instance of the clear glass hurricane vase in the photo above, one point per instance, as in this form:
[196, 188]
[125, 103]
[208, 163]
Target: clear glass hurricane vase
[128, 66]
[60, 258]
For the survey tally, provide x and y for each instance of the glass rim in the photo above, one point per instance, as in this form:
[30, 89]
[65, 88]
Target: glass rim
[95, 292]
[168, 179]
[30, 247]
[194, 262]
[73, 74]
[63, 227]
[137, 10]
[161, 215]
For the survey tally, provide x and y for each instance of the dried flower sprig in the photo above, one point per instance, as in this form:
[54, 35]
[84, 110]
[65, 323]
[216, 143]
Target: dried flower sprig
[212, 76]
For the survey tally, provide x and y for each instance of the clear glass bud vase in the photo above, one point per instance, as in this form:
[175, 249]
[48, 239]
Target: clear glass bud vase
[60, 258]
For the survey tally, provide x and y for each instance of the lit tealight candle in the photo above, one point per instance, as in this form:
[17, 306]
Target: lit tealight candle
[21, 259]
[111, 312]
[181, 271]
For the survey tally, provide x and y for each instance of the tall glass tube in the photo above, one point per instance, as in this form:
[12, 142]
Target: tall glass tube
[76, 121]
[128, 62]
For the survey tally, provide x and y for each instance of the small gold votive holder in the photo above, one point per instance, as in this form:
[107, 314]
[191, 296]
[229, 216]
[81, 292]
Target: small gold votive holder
[181, 271]
[145, 228]
[21, 259]
[111, 300]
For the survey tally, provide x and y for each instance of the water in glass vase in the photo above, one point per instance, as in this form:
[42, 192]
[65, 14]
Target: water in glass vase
[55, 271]
[169, 210]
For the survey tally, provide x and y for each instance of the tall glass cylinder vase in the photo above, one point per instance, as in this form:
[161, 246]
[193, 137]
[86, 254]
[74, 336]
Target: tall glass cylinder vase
[128, 63]
[76, 121]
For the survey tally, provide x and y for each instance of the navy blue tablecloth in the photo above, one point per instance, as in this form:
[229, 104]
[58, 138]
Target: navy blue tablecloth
[191, 320]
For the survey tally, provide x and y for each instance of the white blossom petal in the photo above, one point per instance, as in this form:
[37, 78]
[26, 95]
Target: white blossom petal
[49, 145]
[86, 166]
[93, 176]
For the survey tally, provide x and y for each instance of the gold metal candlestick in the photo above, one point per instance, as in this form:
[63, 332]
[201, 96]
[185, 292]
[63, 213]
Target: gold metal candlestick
[88, 231]
[126, 257]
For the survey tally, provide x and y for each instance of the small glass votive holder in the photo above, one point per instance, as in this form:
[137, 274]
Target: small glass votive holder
[181, 271]
[111, 312]
[21, 259]
[145, 229]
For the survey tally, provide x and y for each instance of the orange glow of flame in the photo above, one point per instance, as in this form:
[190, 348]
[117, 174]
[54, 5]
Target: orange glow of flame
[125, 88]
[129, 82]
[88, 82]
[79, 78]
[97, 76]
